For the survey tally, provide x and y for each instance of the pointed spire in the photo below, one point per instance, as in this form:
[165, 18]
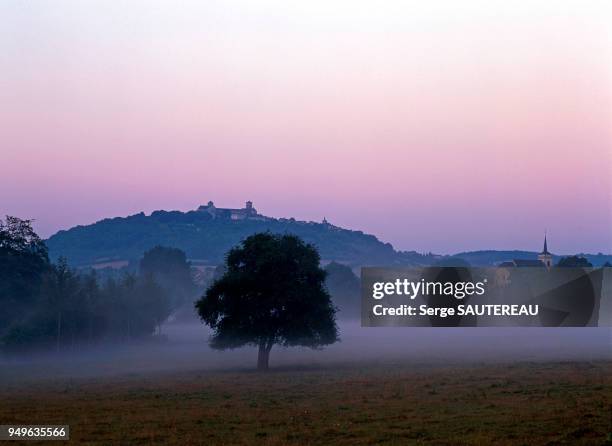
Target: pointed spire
[545, 245]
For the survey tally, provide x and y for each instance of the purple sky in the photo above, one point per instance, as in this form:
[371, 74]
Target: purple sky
[437, 126]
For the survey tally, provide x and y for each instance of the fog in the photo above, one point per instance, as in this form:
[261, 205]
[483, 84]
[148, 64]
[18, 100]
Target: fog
[186, 349]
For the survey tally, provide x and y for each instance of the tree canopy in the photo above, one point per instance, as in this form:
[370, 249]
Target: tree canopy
[272, 292]
[170, 269]
[18, 236]
[574, 262]
[344, 287]
[23, 263]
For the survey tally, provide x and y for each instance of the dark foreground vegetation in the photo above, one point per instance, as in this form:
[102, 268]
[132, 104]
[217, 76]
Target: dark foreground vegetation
[358, 404]
[48, 305]
[51, 306]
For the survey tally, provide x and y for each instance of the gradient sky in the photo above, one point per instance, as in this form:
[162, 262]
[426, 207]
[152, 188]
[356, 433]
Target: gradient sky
[437, 126]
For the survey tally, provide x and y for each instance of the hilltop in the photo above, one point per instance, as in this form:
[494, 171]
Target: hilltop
[207, 233]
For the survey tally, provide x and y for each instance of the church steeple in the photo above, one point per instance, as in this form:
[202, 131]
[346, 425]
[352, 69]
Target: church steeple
[545, 246]
[546, 257]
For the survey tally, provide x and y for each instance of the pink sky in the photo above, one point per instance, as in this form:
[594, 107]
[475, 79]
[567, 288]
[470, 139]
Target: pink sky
[433, 126]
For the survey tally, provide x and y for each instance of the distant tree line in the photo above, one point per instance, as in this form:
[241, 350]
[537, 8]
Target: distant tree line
[51, 306]
[575, 262]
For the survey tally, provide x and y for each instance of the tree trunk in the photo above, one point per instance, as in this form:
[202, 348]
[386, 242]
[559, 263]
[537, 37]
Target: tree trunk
[263, 356]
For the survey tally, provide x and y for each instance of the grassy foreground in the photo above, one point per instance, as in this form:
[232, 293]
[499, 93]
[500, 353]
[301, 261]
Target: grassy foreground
[398, 404]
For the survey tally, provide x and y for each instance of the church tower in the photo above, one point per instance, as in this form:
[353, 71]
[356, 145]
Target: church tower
[545, 257]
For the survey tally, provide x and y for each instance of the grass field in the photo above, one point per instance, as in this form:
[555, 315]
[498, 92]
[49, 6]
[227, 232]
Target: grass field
[349, 404]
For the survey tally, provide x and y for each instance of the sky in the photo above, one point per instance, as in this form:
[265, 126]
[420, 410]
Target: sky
[438, 126]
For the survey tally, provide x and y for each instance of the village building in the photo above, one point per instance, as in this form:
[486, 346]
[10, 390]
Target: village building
[545, 259]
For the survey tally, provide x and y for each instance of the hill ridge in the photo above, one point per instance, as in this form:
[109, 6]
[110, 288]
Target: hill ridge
[206, 237]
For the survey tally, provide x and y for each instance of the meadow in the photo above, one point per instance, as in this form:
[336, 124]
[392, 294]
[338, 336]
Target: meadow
[352, 403]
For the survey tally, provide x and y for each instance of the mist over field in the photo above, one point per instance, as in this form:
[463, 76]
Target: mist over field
[74, 323]
[186, 349]
[186, 188]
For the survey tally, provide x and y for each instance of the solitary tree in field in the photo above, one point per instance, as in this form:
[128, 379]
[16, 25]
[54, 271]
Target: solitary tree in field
[272, 292]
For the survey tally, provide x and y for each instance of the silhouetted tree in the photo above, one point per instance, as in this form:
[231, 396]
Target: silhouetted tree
[272, 292]
[92, 305]
[171, 270]
[23, 264]
[129, 305]
[17, 235]
[343, 285]
[154, 302]
[60, 288]
[574, 262]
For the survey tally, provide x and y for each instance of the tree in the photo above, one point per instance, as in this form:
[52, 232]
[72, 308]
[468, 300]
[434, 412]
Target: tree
[574, 262]
[154, 302]
[17, 235]
[61, 287]
[170, 269]
[343, 285]
[23, 264]
[91, 298]
[128, 305]
[272, 292]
